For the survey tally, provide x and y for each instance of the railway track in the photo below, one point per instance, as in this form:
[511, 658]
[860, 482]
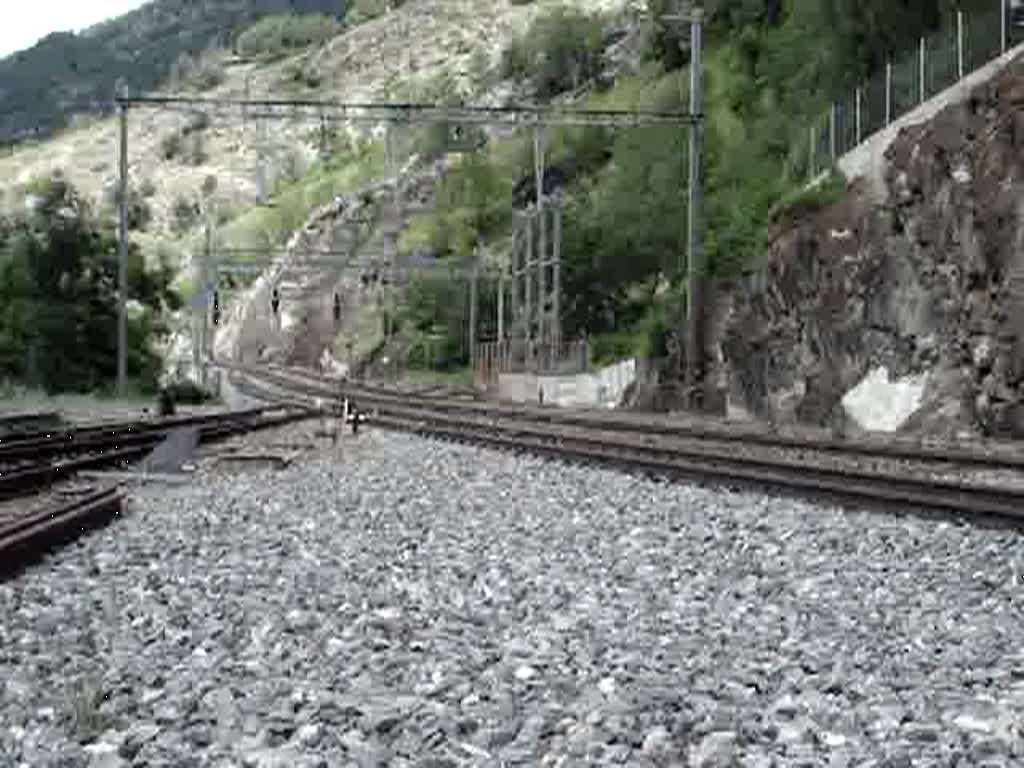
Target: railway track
[30, 462]
[952, 480]
[14, 424]
[29, 530]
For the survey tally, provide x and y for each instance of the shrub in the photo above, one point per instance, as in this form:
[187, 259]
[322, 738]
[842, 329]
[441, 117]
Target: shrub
[139, 212]
[196, 150]
[560, 51]
[184, 212]
[188, 393]
[301, 74]
[199, 121]
[364, 10]
[276, 36]
[209, 185]
[201, 73]
[148, 188]
[171, 146]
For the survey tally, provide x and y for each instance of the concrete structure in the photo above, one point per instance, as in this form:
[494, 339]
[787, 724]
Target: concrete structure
[602, 389]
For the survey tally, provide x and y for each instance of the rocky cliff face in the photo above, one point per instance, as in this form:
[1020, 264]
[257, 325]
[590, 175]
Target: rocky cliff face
[927, 283]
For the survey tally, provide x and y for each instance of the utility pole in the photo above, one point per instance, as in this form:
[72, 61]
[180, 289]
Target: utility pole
[528, 289]
[556, 289]
[695, 298]
[395, 171]
[122, 260]
[542, 250]
[208, 276]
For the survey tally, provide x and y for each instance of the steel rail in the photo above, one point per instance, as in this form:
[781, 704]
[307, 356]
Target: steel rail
[890, 450]
[606, 443]
[716, 466]
[895, 449]
[26, 539]
[85, 437]
[111, 449]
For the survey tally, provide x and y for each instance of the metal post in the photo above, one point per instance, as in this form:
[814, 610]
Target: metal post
[514, 294]
[395, 171]
[832, 132]
[472, 307]
[856, 114]
[556, 288]
[501, 302]
[1002, 26]
[542, 250]
[122, 261]
[888, 91]
[812, 146]
[959, 45]
[922, 53]
[528, 285]
[694, 303]
[204, 333]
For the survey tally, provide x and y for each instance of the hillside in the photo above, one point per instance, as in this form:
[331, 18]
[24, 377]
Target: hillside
[622, 191]
[66, 74]
[227, 165]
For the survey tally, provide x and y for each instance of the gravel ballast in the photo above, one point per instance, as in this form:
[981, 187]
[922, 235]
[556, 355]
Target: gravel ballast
[413, 603]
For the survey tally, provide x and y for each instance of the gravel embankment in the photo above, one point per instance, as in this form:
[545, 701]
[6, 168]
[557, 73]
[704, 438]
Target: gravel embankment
[422, 604]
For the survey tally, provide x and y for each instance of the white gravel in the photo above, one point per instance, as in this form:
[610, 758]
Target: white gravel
[420, 604]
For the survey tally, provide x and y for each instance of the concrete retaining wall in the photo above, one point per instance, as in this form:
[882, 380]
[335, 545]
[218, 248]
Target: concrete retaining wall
[603, 388]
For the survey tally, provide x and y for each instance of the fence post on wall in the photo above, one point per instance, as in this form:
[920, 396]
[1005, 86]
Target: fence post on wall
[888, 91]
[856, 114]
[959, 45]
[832, 132]
[501, 302]
[810, 156]
[922, 52]
[472, 307]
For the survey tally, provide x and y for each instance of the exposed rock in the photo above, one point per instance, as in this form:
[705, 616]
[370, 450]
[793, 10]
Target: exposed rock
[930, 282]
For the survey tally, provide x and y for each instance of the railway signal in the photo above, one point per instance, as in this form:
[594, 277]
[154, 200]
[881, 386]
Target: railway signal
[337, 309]
[275, 301]
[216, 308]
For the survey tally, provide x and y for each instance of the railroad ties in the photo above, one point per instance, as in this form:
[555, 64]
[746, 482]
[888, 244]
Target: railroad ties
[977, 483]
[39, 510]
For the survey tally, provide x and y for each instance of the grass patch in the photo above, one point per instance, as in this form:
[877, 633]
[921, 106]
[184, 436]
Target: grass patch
[271, 225]
[461, 377]
[806, 200]
[17, 399]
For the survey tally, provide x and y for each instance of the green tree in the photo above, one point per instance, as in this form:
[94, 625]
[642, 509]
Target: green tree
[58, 280]
[561, 50]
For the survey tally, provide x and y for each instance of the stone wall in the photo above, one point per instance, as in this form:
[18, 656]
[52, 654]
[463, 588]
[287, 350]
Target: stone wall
[928, 283]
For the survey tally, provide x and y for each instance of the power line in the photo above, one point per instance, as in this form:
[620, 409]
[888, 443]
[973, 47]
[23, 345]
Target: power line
[377, 112]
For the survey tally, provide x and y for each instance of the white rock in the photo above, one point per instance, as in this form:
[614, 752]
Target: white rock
[525, 672]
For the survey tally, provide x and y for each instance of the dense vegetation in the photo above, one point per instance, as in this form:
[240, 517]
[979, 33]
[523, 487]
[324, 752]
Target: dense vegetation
[770, 67]
[275, 36]
[58, 301]
[66, 73]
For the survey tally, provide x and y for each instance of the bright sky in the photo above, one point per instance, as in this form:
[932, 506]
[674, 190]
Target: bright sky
[26, 22]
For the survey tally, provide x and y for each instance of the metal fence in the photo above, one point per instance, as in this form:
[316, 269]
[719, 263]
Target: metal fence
[492, 358]
[968, 41]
